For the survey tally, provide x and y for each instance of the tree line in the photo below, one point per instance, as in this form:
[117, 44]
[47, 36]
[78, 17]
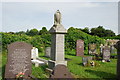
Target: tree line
[42, 38]
[99, 31]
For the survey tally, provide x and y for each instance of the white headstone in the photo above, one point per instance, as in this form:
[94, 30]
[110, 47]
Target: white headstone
[34, 53]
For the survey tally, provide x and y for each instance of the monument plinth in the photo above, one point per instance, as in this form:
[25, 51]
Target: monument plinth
[57, 47]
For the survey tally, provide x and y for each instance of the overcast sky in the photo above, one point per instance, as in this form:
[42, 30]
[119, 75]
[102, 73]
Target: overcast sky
[20, 16]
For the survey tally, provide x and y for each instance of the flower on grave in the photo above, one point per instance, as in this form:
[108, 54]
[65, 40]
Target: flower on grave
[92, 63]
[103, 60]
[20, 75]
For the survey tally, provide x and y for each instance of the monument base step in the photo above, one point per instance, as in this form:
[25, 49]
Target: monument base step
[49, 70]
[52, 64]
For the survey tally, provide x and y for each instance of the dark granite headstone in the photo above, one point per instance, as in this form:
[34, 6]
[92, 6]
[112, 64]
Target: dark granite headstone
[92, 49]
[117, 46]
[18, 60]
[106, 53]
[61, 71]
[80, 48]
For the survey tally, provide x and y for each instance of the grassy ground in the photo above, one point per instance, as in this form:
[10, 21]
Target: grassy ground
[104, 70]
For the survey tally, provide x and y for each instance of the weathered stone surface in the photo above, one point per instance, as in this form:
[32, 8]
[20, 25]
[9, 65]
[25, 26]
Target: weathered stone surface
[18, 60]
[48, 52]
[57, 27]
[80, 48]
[61, 71]
[117, 46]
[92, 49]
[106, 53]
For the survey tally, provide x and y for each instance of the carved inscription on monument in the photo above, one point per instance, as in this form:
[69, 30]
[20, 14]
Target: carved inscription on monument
[18, 60]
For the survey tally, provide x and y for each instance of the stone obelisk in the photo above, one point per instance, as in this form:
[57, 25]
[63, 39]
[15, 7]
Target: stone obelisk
[57, 45]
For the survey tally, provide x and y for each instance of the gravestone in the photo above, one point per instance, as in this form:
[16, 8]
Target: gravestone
[80, 48]
[117, 46]
[101, 49]
[113, 50]
[57, 45]
[18, 60]
[92, 49]
[106, 53]
[86, 59]
[47, 51]
[34, 53]
[60, 71]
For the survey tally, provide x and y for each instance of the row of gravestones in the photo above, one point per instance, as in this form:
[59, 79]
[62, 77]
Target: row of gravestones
[19, 59]
[105, 51]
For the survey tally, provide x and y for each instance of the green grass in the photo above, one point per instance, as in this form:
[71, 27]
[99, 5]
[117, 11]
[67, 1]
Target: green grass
[104, 70]
[38, 72]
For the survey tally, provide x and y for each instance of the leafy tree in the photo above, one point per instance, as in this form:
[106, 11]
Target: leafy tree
[109, 33]
[101, 32]
[27, 32]
[20, 32]
[86, 30]
[33, 32]
[74, 34]
[43, 31]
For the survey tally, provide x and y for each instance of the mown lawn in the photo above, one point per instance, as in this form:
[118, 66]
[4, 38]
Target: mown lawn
[103, 71]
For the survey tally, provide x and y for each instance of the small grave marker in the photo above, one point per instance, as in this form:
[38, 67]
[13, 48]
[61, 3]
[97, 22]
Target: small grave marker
[106, 53]
[48, 51]
[86, 59]
[92, 49]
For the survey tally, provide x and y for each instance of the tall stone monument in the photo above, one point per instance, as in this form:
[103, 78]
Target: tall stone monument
[117, 46]
[57, 48]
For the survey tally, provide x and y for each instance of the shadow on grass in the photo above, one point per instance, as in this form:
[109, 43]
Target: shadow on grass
[103, 75]
[71, 54]
[80, 64]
